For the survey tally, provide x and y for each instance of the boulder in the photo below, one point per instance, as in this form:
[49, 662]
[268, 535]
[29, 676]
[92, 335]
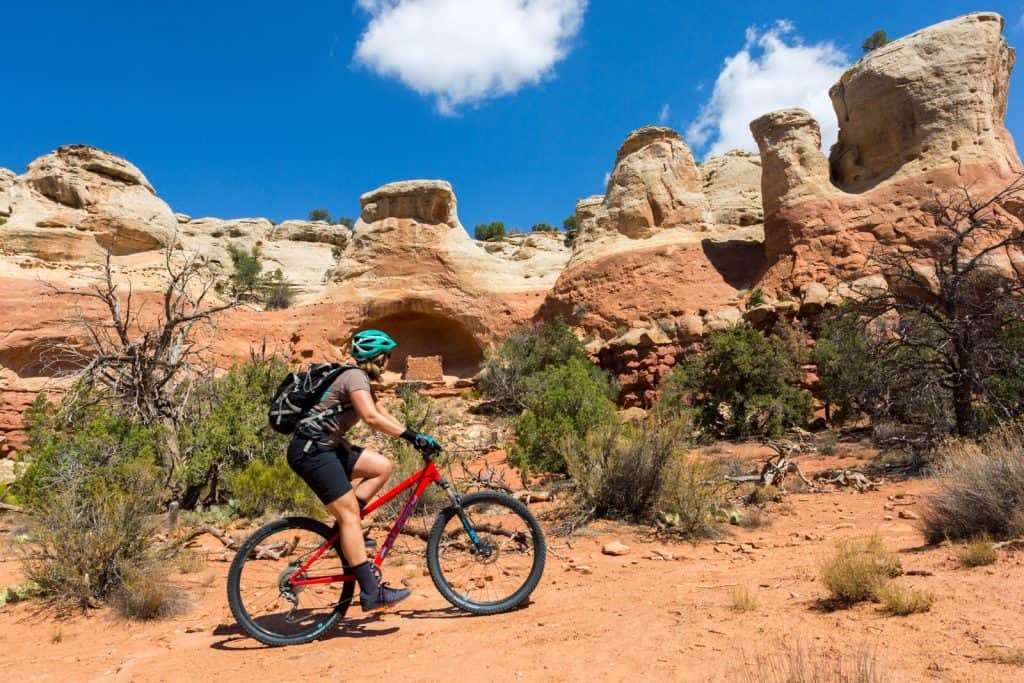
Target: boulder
[430, 202]
[689, 328]
[666, 236]
[813, 297]
[311, 231]
[722, 319]
[95, 201]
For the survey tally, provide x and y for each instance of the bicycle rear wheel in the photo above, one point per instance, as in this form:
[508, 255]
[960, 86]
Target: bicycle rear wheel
[498, 569]
[263, 600]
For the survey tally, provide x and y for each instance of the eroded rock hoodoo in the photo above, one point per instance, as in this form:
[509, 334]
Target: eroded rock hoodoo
[667, 239]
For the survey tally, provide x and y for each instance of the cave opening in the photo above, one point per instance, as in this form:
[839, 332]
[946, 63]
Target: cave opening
[428, 334]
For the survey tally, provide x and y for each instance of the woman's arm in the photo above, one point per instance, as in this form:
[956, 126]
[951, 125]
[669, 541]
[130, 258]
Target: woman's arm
[375, 418]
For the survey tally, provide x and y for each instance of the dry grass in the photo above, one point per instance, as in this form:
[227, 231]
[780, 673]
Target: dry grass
[755, 518]
[764, 494]
[978, 553]
[1010, 656]
[190, 561]
[858, 569]
[798, 662]
[981, 488]
[902, 601]
[742, 599]
[148, 593]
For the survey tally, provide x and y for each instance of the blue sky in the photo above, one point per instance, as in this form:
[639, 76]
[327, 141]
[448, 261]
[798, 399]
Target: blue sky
[260, 109]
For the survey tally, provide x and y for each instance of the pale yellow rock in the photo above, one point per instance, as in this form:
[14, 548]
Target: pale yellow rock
[6, 180]
[732, 185]
[794, 169]
[933, 98]
[722, 319]
[93, 192]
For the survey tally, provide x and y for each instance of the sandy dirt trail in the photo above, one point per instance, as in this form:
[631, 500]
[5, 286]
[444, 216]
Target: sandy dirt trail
[636, 615]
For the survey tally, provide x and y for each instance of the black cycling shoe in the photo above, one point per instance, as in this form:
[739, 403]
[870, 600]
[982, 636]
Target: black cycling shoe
[370, 543]
[385, 597]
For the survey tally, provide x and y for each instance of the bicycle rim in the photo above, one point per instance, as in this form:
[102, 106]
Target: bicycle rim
[261, 596]
[498, 570]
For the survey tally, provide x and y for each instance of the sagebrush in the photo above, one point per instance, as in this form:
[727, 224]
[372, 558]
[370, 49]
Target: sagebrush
[980, 492]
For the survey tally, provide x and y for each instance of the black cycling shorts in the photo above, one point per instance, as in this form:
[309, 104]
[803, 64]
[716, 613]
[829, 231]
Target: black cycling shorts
[327, 470]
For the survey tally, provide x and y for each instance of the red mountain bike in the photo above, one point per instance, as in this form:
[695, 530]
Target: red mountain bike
[485, 554]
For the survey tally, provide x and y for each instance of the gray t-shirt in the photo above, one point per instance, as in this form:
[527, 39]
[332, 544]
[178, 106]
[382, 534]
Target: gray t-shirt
[334, 415]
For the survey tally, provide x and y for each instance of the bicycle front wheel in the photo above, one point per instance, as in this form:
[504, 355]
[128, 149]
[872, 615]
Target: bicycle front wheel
[487, 555]
[265, 602]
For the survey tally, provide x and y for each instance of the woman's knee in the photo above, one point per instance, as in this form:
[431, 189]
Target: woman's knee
[345, 508]
[372, 464]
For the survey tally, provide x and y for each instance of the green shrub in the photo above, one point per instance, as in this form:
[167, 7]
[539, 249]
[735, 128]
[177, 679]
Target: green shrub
[563, 403]
[247, 272]
[741, 384]
[264, 487]
[526, 352]
[876, 40]
[489, 232]
[543, 227]
[276, 292]
[756, 298]
[96, 444]
[320, 214]
[858, 570]
[903, 602]
[643, 472]
[981, 488]
[93, 531]
[978, 553]
[346, 221]
[225, 428]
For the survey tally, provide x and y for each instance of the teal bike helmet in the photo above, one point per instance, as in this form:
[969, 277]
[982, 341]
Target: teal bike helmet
[369, 344]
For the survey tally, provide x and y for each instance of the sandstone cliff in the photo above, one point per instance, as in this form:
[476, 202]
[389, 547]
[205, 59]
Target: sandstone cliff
[920, 116]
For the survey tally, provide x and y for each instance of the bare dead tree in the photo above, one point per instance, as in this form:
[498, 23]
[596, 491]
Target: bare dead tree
[940, 323]
[145, 364]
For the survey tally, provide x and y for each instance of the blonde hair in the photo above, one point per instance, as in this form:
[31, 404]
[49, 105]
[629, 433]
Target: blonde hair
[374, 368]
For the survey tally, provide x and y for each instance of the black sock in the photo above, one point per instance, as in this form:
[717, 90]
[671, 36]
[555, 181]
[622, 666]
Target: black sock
[367, 579]
[362, 505]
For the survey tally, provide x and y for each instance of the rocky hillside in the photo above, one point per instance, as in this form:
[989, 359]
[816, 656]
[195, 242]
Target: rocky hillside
[671, 251]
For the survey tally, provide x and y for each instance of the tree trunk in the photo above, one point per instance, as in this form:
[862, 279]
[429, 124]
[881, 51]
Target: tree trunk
[963, 393]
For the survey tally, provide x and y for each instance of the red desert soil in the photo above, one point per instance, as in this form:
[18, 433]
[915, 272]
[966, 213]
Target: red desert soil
[663, 612]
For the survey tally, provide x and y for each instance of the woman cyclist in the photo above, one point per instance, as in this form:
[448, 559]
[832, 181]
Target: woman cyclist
[328, 463]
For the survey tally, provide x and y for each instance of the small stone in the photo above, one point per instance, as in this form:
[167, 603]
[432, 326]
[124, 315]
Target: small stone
[907, 514]
[888, 518]
[583, 569]
[615, 548]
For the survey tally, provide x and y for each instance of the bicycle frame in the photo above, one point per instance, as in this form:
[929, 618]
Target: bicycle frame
[419, 483]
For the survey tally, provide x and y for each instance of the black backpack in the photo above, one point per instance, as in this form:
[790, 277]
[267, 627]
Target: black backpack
[299, 392]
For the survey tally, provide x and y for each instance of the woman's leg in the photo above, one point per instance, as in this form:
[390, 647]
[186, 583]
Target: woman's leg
[346, 510]
[373, 468]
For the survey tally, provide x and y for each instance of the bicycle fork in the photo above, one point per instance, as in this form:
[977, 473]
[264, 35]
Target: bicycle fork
[457, 503]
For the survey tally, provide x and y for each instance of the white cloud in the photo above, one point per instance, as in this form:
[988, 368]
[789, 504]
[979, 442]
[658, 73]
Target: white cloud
[663, 116]
[774, 70]
[465, 51]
